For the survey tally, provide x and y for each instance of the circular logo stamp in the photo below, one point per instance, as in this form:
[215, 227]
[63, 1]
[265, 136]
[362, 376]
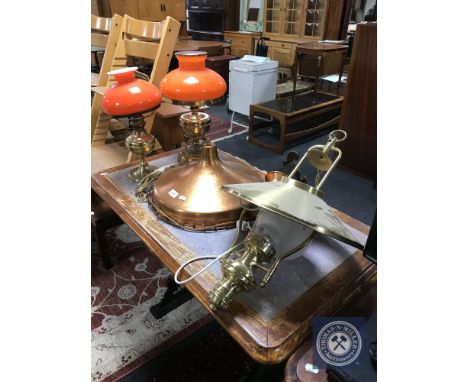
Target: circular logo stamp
[339, 343]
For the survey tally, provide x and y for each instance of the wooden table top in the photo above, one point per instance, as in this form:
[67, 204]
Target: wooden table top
[182, 45]
[318, 48]
[269, 323]
[298, 104]
[94, 79]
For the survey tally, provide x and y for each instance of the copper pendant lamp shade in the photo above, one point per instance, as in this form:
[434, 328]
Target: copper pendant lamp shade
[191, 195]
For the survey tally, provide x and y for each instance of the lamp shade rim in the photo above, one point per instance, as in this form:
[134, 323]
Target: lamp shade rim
[128, 69]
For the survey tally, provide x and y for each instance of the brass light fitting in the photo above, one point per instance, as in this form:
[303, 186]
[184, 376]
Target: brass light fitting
[291, 213]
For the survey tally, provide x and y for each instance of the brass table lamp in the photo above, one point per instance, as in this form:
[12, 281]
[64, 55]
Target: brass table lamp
[133, 99]
[193, 84]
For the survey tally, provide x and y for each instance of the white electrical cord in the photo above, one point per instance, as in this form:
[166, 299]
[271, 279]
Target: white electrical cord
[216, 258]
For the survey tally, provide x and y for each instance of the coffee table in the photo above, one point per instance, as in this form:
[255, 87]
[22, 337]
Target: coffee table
[322, 108]
[268, 323]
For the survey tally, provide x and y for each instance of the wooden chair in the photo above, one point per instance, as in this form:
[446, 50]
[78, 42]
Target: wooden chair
[142, 39]
[100, 29]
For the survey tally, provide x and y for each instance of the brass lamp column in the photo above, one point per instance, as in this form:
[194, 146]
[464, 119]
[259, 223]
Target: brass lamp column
[194, 127]
[140, 143]
[194, 85]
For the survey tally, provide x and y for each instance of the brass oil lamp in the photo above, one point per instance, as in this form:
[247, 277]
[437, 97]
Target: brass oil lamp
[133, 99]
[193, 84]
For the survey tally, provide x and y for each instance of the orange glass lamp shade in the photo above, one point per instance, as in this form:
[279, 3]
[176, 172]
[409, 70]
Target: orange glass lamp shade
[129, 95]
[192, 83]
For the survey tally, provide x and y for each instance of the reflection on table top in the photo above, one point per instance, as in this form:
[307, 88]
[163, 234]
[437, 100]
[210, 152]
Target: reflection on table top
[94, 79]
[269, 323]
[299, 102]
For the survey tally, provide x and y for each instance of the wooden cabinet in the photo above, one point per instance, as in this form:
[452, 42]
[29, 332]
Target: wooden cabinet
[242, 43]
[359, 113]
[290, 22]
[175, 9]
[305, 19]
[151, 10]
[125, 7]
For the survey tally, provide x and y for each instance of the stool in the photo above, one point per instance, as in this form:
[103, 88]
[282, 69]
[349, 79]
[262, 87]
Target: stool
[220, 64]
[102, 219]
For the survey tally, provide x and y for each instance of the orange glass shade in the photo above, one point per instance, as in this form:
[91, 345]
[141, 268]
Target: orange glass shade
[192, 82]
[129, 95]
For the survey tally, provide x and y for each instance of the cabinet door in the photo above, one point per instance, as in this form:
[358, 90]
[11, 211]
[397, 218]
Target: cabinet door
[283, 56]
[314, 15]
[272, 16]
[125, 7]
[292, 18]
[151, 10]
[175, 9]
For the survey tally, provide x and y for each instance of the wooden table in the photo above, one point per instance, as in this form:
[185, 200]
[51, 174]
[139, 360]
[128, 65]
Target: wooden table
[295, 370]
[269, 323]
[319, 50]
[322, 108]
[186, 45]
[94, 79]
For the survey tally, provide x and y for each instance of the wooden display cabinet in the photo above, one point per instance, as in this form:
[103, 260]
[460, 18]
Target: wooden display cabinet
[290, 22]
[150, 10]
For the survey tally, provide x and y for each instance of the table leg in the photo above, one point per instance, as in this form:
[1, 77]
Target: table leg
[174, 297]
[318, 66]
[341, 74]
[295, 68]
[96, 59]
[283, 126]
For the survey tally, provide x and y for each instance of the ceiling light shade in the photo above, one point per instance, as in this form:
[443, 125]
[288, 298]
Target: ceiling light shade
[192, 83]
[129, 95]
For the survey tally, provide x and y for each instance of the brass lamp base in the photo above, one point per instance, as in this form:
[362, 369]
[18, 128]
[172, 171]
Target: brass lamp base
[143, 169]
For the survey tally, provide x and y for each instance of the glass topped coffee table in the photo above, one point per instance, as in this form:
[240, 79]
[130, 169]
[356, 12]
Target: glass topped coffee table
[322, 109]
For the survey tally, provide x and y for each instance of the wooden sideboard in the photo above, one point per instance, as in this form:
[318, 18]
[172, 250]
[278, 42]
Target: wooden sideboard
[242, 43]
[150, 10]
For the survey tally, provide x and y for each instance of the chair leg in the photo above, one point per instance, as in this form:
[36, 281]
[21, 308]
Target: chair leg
[101, 240]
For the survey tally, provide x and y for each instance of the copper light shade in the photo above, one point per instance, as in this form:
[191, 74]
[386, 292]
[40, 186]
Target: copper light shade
[191, 195]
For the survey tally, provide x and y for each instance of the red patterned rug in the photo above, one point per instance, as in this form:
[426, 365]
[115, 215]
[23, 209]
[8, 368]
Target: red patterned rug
[124, 334]
[219, 129]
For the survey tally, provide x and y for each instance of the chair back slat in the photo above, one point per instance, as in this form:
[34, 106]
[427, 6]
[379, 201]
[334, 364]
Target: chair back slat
[102, 24]
[141, 49]
[99, 40]
[144, 30]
